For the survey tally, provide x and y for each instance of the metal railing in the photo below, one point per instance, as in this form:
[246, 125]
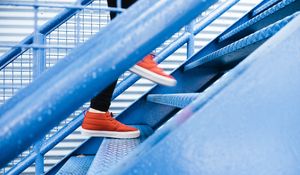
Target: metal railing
[38, 50]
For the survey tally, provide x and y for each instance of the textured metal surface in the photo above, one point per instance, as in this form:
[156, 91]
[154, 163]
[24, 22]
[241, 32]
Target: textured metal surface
[76, 165]
[255, 131]
[241, 48]
[265, 6]
[176, 100]
[37, 117]
[259, 17]
[111, 151]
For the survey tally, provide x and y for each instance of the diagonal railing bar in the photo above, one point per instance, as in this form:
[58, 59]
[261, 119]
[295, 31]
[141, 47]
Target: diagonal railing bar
[102, 63]
[77, 7]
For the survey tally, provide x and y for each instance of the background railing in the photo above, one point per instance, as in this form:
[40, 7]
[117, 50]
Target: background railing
[78, 29]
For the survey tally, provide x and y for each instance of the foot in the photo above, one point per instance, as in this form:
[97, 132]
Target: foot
[104, 125]
[149, 69]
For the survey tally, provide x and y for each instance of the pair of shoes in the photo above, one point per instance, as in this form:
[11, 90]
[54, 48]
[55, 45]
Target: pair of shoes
[104, 125]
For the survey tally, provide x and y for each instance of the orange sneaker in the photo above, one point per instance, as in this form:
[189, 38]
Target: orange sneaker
[104, 125]
[149, 69]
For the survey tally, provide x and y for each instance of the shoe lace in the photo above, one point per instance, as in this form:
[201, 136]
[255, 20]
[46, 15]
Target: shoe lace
[112, 119]
[149, 60]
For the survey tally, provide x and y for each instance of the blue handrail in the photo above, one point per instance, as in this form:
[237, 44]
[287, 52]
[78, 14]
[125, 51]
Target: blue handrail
[73, 79]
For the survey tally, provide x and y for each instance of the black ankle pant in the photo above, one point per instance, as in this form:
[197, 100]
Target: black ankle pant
[102, 101]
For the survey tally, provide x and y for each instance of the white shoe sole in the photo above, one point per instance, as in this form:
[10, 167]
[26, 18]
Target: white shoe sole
[111, 134]
[152, 76]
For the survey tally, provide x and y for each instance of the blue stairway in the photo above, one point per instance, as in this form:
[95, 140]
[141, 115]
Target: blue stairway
[234, 110]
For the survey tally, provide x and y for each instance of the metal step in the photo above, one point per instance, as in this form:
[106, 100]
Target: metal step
[235, 52]
[277, 12]
[263, 7]
[76, 165]
[179, 100]
[111, 151]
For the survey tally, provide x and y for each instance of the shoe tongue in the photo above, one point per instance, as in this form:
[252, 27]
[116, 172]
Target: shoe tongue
[109, 114]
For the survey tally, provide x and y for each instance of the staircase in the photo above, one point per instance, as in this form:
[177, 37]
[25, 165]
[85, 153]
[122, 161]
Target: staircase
[234, 109]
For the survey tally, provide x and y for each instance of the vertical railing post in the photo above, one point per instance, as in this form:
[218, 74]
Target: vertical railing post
[191, 42]
[39, 62]
[119, 6]
[39, 56]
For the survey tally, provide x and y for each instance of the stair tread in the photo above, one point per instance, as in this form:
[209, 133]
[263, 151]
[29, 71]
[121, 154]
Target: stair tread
[264, 7]
[238, 50]
[179, 100]
[111, 150]
[275, 9]
[76, 165]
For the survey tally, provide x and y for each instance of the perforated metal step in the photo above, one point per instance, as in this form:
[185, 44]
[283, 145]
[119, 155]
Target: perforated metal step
[265, 6]
[111, 151]
[238, 50]
[283, 8]
[76, 165]
[176, 100]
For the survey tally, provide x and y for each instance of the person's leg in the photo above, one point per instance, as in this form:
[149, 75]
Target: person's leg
[98, 121]
[147, 68]
[102, 101]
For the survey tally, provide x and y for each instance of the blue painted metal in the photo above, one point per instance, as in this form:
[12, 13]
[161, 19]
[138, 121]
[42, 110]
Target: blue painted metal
[176, 100]
[76, 165]
[191, 42]
[265, 6]
[76, 7]
[214, 15]
[205, 23]
[39, 158]
[47, 145]
[278, 11]
[215, 44]
[47, 28]
[238, 50]
[39, 64]
[133, 78]
[36, 46]
[105, 63]
[111, 151]
[170, 49]
[162, 55]
[88, 148]
[76, 122]
[175, 45]
[253, 132]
